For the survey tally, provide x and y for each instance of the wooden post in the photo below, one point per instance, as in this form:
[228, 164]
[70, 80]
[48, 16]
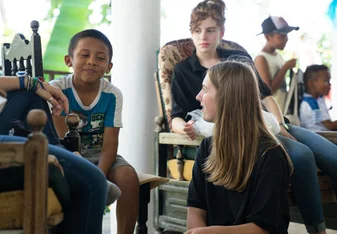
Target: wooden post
[36, 175]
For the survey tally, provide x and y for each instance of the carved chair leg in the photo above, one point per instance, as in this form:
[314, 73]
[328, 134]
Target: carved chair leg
[180, 163]
[144, 199]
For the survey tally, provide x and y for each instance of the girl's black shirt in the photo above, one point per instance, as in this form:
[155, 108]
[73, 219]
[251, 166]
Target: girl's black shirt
[264, 201]
[187, 80]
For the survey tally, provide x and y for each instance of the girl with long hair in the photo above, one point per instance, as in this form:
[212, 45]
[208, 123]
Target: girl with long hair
[241, 174]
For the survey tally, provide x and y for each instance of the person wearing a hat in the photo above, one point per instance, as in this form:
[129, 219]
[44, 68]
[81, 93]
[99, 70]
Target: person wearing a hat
[269, 63]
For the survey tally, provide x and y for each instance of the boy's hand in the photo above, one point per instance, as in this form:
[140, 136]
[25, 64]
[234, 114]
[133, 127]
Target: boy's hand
[290, 64]
[189, 130]
[55, 97]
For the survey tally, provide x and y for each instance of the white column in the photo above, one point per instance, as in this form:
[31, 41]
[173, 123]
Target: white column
[333, 112]
[135, 40]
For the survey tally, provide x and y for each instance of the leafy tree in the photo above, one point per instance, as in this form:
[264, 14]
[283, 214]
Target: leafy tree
[73, 17]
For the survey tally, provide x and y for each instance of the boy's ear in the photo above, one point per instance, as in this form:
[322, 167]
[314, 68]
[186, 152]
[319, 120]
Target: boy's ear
[109, 68]
[67, 61]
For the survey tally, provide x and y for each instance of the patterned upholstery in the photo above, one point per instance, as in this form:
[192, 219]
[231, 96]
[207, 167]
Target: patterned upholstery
[169, 55]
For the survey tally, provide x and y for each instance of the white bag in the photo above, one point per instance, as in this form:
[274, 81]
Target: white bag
[201, 126]
[2, 103]
[205, 128]
[271, 122]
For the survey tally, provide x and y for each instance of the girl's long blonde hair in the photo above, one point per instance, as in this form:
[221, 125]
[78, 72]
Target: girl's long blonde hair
[239, 126]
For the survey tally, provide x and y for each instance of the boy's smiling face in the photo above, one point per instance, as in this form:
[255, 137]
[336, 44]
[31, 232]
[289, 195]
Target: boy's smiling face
[90, 60]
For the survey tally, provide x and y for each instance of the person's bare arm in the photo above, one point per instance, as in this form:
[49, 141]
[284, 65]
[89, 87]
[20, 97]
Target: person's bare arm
[60, 125]
[271, 105]
[331, 125]
[196, 218]
[250, 228]
[263, 70]
[49, 93]
[274, 83]
[109, 149]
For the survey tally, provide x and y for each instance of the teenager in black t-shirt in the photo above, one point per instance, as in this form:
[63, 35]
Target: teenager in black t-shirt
[241, 174]
[306, 149]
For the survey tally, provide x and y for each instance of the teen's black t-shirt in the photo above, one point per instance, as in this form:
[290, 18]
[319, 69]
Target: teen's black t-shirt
[188, 76]
[264, 201]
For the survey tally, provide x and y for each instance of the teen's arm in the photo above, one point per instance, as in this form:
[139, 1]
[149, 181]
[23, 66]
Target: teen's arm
[60, 125]
[59, 101]
[271, 105]
[196, 217]
[263, 69]
[238, 229]
[331, 125]
[109, 149]
[274, 83]
[179, 104]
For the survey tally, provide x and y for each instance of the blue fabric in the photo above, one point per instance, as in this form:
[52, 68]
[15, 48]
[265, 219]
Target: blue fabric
[88, 190]
[307, 153]
[311, 101]
[19, 103]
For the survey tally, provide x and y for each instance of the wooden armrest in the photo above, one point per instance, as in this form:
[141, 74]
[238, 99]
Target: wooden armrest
[154, 180]
[329, 135]
[169, 138]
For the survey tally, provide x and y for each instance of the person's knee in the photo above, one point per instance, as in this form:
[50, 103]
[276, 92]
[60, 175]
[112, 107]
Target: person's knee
[125, 177]
[303, 159]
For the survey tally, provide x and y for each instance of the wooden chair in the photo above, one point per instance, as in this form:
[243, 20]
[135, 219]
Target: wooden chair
[172, 150]
[28, 209]
[24, 55]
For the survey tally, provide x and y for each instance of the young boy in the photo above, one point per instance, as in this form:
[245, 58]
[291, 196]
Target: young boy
[314, 113]
[269, 63]
[99, 105]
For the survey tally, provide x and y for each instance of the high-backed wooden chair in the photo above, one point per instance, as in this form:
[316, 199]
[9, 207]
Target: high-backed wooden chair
[24, 55]
[175, 154]
[35, 207]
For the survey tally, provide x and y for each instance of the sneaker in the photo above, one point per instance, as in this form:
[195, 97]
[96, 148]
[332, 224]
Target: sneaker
[113, 193]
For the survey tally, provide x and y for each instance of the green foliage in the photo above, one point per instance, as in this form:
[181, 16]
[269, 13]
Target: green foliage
[324, 45]
[73, 18]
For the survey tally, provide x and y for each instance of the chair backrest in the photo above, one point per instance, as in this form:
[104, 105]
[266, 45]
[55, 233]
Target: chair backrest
[169, 55]
[23, 55]
[33, 154]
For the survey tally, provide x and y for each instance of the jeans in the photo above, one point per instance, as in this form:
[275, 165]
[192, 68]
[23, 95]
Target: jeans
[307, 153]
[88, 189]
[19, 103]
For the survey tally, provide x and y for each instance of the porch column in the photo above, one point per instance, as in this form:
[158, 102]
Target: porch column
[135, 38]
[333, 112]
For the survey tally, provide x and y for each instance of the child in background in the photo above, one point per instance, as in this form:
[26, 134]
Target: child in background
[269, 63]
[99, 105]
[314, 113]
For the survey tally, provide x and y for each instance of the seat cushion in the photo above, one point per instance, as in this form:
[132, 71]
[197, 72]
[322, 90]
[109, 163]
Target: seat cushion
[11, 208]
[15, 177]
